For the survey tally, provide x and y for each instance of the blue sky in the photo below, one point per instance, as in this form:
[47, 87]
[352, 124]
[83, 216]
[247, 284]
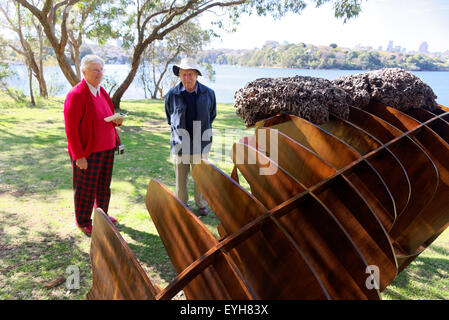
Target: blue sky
[406, 22]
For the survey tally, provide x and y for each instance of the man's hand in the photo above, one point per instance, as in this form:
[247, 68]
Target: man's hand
[118, 121]
[81, 163]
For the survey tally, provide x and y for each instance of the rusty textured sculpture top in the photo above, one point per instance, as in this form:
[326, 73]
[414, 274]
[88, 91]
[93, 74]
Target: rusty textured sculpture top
[307, 97]
[393, 87]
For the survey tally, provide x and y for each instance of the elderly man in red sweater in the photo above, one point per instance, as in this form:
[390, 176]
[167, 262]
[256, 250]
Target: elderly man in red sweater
[91, 142]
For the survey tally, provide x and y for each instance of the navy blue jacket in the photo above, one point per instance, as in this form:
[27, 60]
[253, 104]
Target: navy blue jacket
[175, 110]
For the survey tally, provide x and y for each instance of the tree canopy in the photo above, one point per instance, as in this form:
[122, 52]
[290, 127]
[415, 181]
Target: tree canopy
[138, 23]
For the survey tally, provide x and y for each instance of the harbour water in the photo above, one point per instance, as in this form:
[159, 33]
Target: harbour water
[228, 79]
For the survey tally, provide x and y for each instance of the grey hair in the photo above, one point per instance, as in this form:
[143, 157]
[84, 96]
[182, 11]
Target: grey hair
[90, 58]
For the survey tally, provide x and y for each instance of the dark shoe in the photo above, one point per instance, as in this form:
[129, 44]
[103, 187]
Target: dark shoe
[203, 212]
[112, 219]
[87, 229]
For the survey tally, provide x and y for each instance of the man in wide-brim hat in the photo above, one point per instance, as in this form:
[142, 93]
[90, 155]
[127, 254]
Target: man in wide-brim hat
[186, 64]
[190, 108]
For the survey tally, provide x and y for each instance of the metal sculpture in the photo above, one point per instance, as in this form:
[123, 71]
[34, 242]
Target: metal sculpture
[341, 197]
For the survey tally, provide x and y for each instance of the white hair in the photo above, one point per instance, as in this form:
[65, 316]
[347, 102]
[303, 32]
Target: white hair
[90, 58]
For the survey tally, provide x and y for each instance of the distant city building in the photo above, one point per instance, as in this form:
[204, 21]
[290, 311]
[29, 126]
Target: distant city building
[397, 49]
[379, 48]
[390, 46]
[423, 47]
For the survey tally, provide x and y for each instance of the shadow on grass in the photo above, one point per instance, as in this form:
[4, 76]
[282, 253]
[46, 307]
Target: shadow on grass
[150, 250]
[10, 139]
[34, 163]
[229, 121]
[424, 278]
[40, 164]
[44, 256]
[439, 250]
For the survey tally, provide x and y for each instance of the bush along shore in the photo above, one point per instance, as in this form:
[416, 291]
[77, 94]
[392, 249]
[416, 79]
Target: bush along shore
[302, 56]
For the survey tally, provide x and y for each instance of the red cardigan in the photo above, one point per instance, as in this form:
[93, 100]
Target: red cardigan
[79, 118]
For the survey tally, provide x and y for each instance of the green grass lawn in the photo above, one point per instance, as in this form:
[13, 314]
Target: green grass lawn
[38, 236]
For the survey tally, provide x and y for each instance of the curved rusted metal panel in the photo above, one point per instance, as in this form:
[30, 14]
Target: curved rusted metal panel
[312, 137]
[433, 137]
[399, 186]
[334, 255]
[309, 169]
[268, 260]
[116, 273]
[307, 244]
[421, 170]
[360, 140]
[339, 196]
[186, 239]
[393, 175]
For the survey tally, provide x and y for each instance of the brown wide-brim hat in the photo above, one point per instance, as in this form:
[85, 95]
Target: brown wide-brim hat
[186, 64]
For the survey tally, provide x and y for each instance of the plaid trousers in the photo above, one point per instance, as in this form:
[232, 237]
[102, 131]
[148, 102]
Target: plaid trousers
[92, 186]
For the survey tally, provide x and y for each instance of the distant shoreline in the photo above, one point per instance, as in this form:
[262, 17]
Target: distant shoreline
[266, 67]
[333, 69]
[326, 58]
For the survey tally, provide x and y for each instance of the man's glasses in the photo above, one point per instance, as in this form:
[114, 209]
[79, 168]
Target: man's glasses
[97, 70]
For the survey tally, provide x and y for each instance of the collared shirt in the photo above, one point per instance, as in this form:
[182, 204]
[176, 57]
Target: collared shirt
[182, 88]
[191, 108]
[93, 89]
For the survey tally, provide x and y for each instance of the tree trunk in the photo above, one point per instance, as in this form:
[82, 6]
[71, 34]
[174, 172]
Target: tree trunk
[75, 44]
[42, 84]
[43, 92]
[77, 61]
[46, 19]
[30, 59]
[30, 78]
[161, 93]
[153, 66]
[158, 83]
[63, 62]
[143, 78]
[118, 94]
[67, 70]
[36, 71]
